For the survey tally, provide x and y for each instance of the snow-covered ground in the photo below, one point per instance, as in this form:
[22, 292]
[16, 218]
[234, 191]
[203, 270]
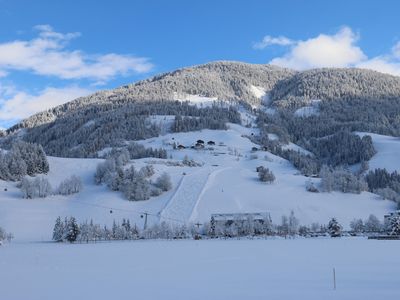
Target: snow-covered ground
[388, 148]
[226, 182]
[210, 269]
[197, 100]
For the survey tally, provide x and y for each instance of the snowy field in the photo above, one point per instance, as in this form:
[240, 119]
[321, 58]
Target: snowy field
[210, 269]
[225, 181]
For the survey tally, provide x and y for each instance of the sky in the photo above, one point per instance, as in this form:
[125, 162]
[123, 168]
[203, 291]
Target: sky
[52, 52]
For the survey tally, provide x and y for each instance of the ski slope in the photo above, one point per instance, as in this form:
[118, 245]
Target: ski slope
[180, 207]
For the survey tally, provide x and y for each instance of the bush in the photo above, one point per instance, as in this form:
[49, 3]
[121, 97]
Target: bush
[265, 175]
[310, 187]
[164, 182]
[70, 186]
[4, 236]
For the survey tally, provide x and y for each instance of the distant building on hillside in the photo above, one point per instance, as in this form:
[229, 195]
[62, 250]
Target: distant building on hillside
[199, 145]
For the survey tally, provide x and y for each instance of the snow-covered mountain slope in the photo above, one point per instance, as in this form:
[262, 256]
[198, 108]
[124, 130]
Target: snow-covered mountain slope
[336, 83]
[224, 182]
[348, 99]
[237, 81]
[388, 149]
[222, 80]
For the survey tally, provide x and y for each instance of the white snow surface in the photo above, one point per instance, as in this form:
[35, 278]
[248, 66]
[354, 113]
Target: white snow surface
[165, 122]
[260, 93]
[197, 100]
[309, 110]
[294, 147]
[306, 111]
[202, 270]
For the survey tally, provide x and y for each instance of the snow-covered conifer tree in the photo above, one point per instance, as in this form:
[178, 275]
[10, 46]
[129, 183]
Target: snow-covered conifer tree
[58, 231]
[72, 230]
[335, 229]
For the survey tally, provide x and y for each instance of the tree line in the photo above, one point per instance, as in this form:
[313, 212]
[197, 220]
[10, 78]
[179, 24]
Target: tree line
[69, 230]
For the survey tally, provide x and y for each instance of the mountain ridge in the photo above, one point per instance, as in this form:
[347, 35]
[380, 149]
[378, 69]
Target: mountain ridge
[231, 80]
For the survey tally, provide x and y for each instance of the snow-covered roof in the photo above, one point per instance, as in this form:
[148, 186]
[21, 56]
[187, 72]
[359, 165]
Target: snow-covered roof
[240, 216]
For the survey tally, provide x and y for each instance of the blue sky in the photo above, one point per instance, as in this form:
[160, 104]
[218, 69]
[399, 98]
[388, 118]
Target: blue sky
[54, 51]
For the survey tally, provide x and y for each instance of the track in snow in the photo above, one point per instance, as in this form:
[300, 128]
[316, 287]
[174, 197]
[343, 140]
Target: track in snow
[180, 207]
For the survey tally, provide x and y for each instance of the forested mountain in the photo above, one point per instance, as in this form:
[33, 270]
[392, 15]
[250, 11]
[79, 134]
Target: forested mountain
[335, 84]
[349, 100]
[223, 80]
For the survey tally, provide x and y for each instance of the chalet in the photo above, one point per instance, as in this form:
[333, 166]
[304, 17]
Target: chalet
[211, 143]
[228, 219]
[200, 142]
[254, 149]
[199, 146]
[180, 147]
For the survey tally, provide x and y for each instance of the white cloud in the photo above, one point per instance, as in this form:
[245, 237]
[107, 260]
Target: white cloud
[47, 55]
[16, 105]
[269, 41]
[385, 64]
[337, 50]
[396, 50]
